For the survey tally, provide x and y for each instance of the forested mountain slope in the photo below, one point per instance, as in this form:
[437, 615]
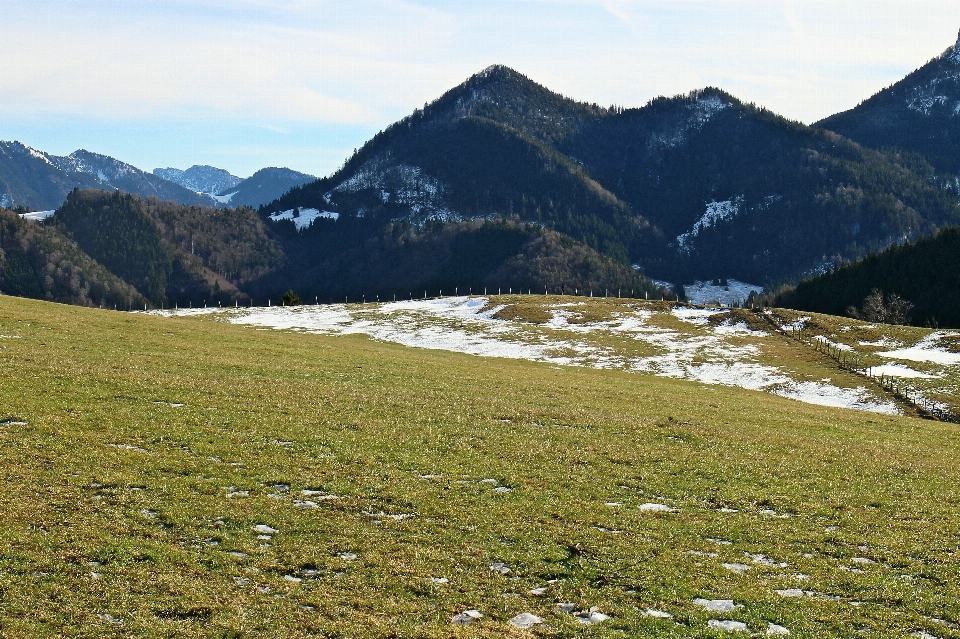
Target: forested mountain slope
[695, 186]
[925, 273]
[920, 113]
[41, 262]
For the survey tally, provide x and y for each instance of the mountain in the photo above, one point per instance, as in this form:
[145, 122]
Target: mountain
[41, 262]
[171, 253]
[692, 187]
[41, 181]
[200, 178]
[925, 273]
[920, 113]
[263, 187]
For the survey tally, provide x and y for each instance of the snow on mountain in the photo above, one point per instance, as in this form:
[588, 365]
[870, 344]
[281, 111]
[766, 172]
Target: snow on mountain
[303, 218]
[201, 178]
[400, 184]
[715, 212]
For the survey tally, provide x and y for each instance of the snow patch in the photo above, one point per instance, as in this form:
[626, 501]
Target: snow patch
[715, 213]
[926, 350]
[899, 370]
[303, 218]
[34, 215]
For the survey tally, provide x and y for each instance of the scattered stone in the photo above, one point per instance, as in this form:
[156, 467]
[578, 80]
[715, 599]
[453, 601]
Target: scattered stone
[292, 578]
[566, 607]
[720, 542]
[264, 529]
[526, 620]
[764, 560]
[729, 626]
[608, 530]
[305, 503]
[348, 555]
[146, 512]
[727, 510]
[538, 592]
[466, 617]
[737, 568]
[862, 560]
[657, 614]
[717, 605]
[656, 508]
[489, 481]
[920, 634]
[502, 489]
[591, 616]
[499, 566]
[790, 592]
[440, 580]
[13, 422]
[613, 504]
[236, 553]
[110, 618]
[238, 493]
[773, 630]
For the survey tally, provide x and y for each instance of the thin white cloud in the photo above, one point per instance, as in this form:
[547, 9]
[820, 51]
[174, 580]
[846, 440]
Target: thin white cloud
[365, 63]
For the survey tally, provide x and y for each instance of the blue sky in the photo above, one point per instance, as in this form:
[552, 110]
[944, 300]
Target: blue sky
[243, 84]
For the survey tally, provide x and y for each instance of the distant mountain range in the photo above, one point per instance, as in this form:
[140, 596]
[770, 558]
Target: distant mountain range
[202, 179]
[40, 181]
[693, 187]
[502, 181]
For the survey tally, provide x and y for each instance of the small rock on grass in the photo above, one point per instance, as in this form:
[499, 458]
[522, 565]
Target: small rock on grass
[656, 508]
[591, 616]
[729, 626]
[773, 630]
[716, 605]
[657, 614]
[526, 620]
[466, 617]
[263, 529]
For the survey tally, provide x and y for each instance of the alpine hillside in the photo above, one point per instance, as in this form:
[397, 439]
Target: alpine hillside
[920, 113]
[696, 186]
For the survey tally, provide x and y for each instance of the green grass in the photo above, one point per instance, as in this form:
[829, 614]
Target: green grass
[364, 420]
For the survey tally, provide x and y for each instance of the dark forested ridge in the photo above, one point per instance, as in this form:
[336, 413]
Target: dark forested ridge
[402, 260]
[690, 187]
[172, 253]
[41, 262]
[116, 248]
[920, 113]
[925, 273]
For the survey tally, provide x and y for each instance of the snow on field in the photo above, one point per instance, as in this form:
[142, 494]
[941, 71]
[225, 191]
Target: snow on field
[304, 217]
[709, 354]
[899, 370]
[926, 350]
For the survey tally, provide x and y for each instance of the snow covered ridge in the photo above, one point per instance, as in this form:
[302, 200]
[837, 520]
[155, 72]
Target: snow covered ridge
[687, 345]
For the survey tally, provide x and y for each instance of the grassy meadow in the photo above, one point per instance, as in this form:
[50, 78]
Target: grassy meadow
[184, 477]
